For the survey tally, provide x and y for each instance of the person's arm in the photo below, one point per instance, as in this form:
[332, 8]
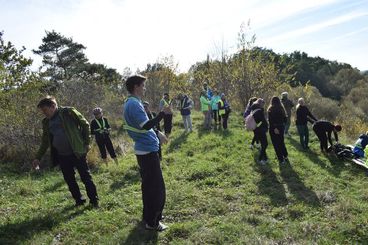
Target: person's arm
[93, 127]
[309, 114]
[84, 125]
[161, 105]
[45, 142]
[336, 136]
[107, 123]
[329, 137]
[154, 121]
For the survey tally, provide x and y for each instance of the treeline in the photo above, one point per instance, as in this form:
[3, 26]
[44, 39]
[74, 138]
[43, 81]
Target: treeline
[334, 91]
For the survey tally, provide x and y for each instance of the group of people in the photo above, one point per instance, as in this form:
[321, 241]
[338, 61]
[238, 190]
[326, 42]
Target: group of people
[278, 124]
[214, 107]
[67, 133]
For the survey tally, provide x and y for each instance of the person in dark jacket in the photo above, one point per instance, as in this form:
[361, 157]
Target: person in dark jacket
[186, 105]
[100, 128]
[277, 119]
[246, 113]
[224, 111]
[261, 130]
[288, 105]
[323, 130]
[303, 116]
[67, 133]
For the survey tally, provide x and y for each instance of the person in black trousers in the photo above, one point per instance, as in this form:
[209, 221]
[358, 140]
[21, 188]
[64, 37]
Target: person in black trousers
[303, 116]
[323, 130]
[261, 130]
[100, 128]
[277, 119]
[254, 103]
[167, 102]
[224, 111]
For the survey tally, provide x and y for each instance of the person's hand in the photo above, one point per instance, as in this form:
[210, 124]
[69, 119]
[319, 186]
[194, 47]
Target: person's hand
[163, 139]
[167, 110]
[36, 164]
[276, 131]
[88, 148]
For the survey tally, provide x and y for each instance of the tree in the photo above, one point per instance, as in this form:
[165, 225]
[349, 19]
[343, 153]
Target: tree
[61, 56]
[14, 67]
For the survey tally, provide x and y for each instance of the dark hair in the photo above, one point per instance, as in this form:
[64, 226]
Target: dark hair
[133, 81]
[47, 101]
[276, 106]
[251, 101]
[166, 94]
[338, 128]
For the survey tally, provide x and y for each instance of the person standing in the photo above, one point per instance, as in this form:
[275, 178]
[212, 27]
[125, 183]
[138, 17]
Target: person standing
[100, 128]
[288, 105]
[186, 105]
[252, 101]
[261, 130]
[277, 119]
[214, 106]
[140, 129]
[323, 130]
[224, 111]
[66, 131]
[167, 102]
[303, 116]
[206, 110]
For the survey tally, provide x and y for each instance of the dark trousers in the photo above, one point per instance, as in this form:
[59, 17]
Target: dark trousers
[215, 115]
[67, 165]
[168, 123]
[104, 142]
[304, 135]
[278, 142]
[322, 136]
[255, 139]
[153, 188]
[224, 119]
[260, 134]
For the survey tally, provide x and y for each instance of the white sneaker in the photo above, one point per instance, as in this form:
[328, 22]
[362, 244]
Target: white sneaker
[251, 147]
[258, 146]
[159, 227]
[262, 162]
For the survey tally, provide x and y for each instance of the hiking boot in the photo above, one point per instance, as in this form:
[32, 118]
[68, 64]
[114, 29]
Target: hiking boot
[159, 227]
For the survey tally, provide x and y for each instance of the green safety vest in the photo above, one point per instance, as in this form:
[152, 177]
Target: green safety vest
[128, 127]
[166, 103]
[221, 111]
[101, 127]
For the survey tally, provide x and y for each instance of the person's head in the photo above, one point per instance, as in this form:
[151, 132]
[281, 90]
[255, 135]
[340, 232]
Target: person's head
[275, 101]
[301, 101]
[260, 102]
[97, 112]
[136, 85]
[284, 95]
[205, 85]
[146, 106]
[48, 106]
[252, 101]
[166, 96]
[338, 127]
[223, 96]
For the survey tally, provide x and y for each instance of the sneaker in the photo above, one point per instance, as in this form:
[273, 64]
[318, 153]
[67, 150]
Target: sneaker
[262, 162]
[286, 160]
[258, 146]
[159, 227]
[251, 147]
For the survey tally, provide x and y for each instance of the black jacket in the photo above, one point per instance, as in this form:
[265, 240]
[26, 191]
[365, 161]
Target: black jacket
[303, 116]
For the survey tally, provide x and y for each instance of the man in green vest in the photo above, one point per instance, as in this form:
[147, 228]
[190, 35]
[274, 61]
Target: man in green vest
[67, 133]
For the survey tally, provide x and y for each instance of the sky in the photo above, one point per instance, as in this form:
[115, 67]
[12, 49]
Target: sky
[133, 33]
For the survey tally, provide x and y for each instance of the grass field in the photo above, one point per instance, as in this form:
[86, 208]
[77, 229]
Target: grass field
[216, 194]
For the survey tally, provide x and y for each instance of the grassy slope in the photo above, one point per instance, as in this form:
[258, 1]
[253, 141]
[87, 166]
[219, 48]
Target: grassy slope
[216, 194]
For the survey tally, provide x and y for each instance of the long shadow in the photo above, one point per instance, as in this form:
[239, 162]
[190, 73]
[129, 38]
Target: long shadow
[138, 235]
[297, 187]
[20, 232]
[175, 144]
[130, 177]
[337, 164]
[269, 184]
[202, 131]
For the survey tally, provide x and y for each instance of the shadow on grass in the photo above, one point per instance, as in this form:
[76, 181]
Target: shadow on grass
[175, 144]
[297, 187]
[139, 235]
[130, 177]
[55, 186]
[21, 231]
[336, 167]
[269, 184]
